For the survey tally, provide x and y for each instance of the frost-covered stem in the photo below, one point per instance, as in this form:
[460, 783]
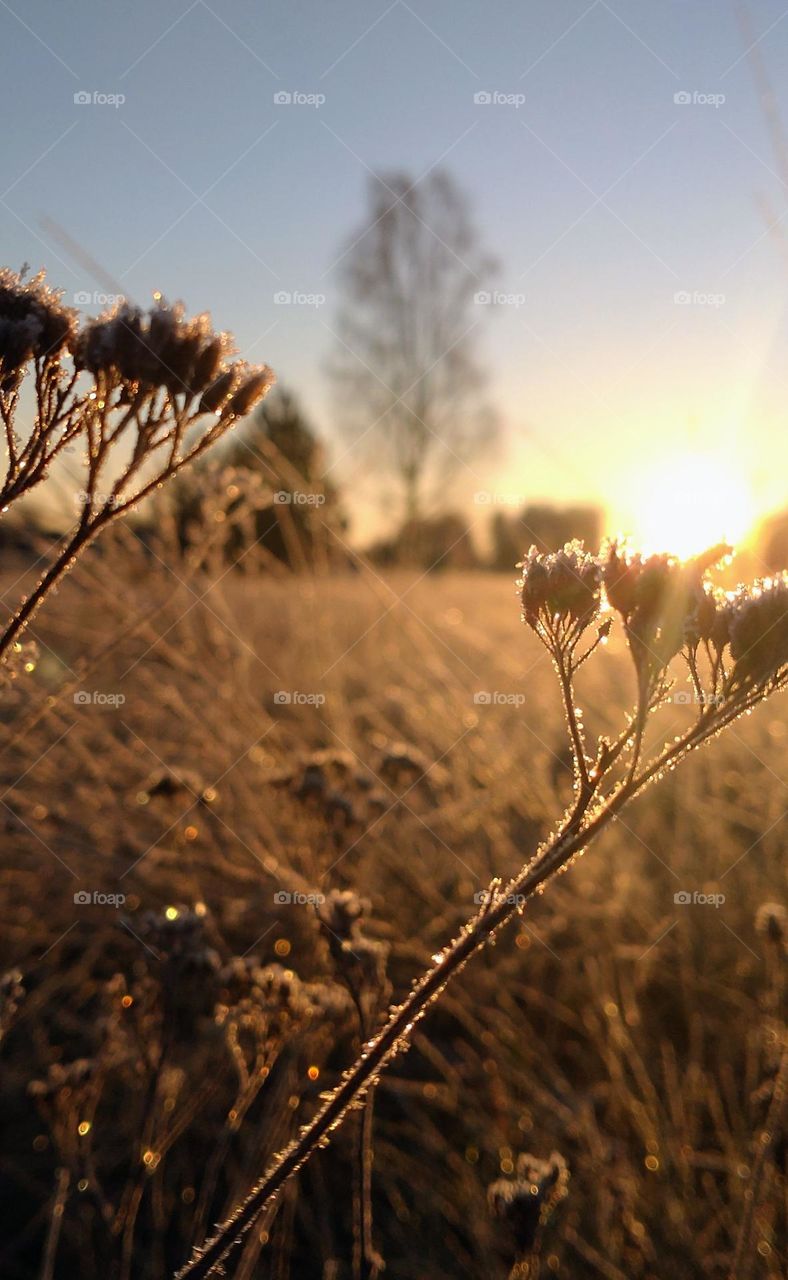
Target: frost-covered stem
[366, 1263]
[92, 524]
[578, 748]
[394, 1036]
[580, 827]
[24, 614]
[55, 1223]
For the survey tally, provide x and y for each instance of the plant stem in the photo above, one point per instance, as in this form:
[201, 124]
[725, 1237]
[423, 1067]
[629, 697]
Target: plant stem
[55, 1223]
[745, 1255]
[578, 830]
[25, 613]
[393, 1037]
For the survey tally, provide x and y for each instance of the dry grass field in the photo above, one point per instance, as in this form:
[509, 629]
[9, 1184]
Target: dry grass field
[636, 1035]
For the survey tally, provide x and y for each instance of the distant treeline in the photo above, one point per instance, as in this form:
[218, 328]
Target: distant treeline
[452, 541]
[269, 493]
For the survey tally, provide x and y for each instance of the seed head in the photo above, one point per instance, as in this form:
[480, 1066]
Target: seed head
[527, 1200]
[164, 348]
[181, 956]
[217, 393]
[207, 363]
[342, 911]
[34, 325]
[758, 628]
[252, 389]
[701, 622]
[563, 587]
[157, 348]
[279, 991]
[771, 921]
[664, 602]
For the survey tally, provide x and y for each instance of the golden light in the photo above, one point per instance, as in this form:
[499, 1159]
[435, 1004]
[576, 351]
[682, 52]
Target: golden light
[691, 503]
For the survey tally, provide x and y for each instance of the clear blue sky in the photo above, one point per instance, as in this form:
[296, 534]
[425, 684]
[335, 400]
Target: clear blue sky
[601, 196]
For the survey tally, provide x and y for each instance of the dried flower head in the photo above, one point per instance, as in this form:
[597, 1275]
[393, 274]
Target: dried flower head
[186, 963]
[161, 348]
[527, 1200]
[360, 960]
[771, 921]
[279, 989]
[704, 620]
[341, 912]
[164, 348]
[664, 602]
[560, 590]
[102, 384]
[758, 631]
[34, 325]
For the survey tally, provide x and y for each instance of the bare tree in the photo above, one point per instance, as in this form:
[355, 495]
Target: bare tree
[411, 388]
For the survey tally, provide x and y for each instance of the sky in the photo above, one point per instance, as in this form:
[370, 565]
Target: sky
[623, 174]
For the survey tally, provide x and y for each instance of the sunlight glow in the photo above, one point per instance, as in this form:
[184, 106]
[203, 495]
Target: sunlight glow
[691, 503]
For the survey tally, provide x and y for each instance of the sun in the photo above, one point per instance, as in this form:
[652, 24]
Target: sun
[691, 503]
